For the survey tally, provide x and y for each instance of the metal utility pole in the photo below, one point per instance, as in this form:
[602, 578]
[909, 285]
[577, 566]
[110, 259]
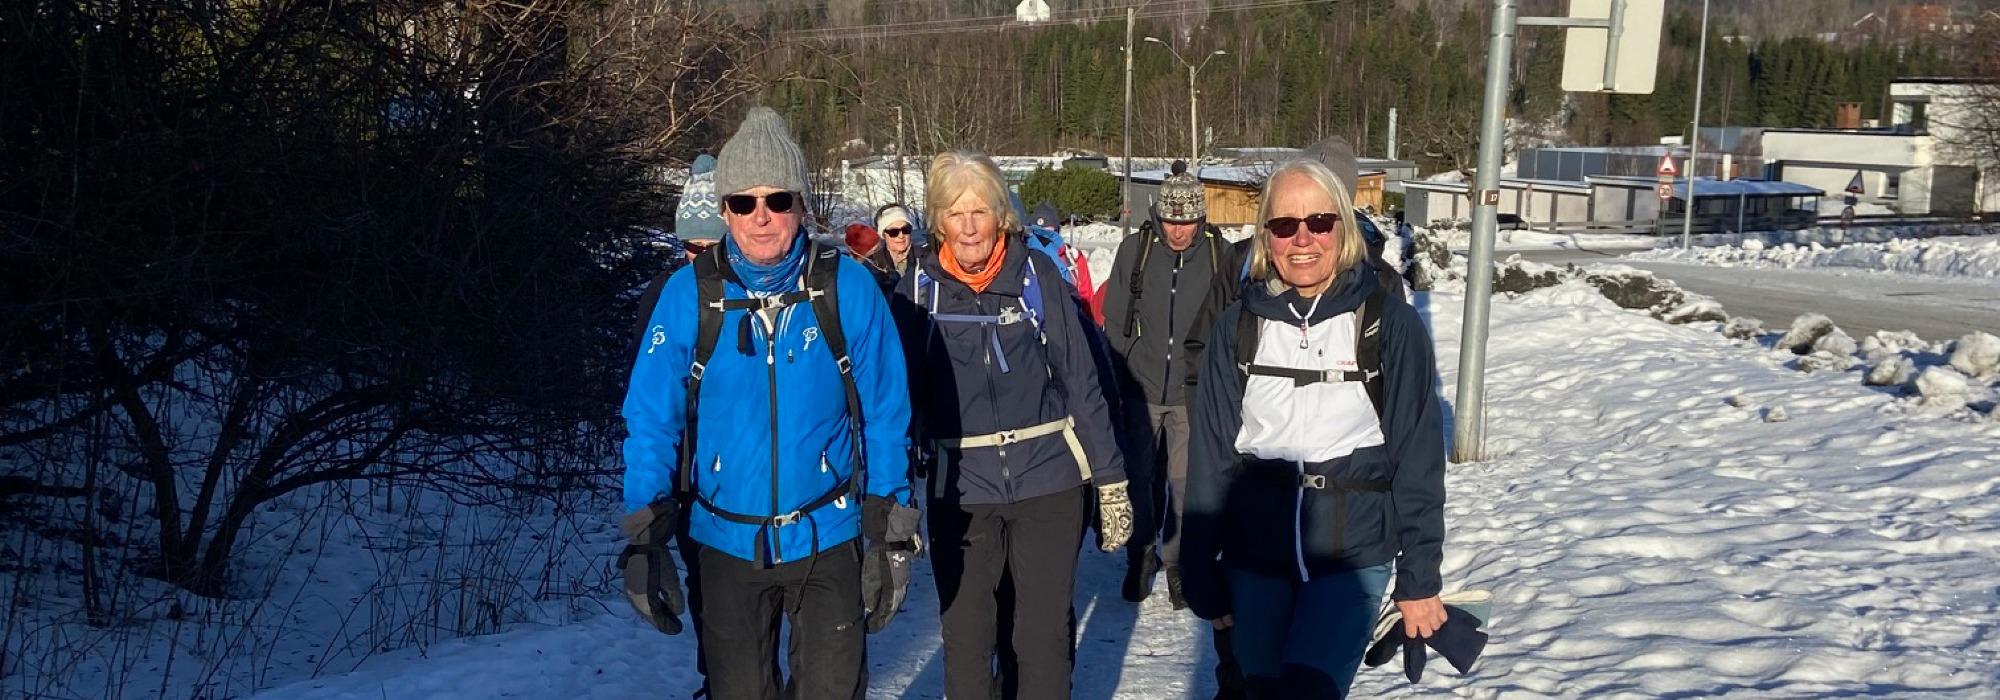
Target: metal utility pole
[1694, 139]
[1469, 422]
[1125, 199]
[1194, 114]
[1193, 69]
[902, 197]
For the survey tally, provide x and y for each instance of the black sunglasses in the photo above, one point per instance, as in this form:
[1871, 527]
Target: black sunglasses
[744, 204]
[1288, 226]
[896, 231]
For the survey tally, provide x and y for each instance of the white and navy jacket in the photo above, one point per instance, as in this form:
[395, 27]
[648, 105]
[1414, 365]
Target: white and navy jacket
[1303, 481]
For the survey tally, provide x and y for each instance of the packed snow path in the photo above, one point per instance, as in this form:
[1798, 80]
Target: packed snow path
[1935, 308]
[1646, 531]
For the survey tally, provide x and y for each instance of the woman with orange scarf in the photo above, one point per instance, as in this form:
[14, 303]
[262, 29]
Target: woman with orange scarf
[1019, 435]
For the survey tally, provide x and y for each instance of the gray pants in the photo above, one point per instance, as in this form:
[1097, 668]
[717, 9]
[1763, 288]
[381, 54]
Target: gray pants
[1159, 436]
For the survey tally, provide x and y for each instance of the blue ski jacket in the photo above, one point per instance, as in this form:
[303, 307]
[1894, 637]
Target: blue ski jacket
[774, 432]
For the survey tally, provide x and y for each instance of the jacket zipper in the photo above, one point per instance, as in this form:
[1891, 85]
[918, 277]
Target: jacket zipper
[1298, 527]
[993, 402]
[1173, 295]
[771, 375]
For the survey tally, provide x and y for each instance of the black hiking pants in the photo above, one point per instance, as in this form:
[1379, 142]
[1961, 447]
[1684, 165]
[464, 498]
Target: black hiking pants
[691, 563]
[1033, 542]
[742, 605]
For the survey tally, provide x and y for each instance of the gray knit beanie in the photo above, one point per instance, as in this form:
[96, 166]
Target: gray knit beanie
[1337, 155]
[761, 154]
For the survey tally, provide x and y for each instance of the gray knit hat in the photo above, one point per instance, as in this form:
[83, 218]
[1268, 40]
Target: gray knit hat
[1337, 155]
[761, 154]
[1181, 199]
[698, 217]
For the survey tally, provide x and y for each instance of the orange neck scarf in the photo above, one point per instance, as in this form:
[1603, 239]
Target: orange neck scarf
[978, 281]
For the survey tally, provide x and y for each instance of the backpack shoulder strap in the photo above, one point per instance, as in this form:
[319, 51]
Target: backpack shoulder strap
[1215, 244]
[1031, 299]
[1246, 338]
[1368, 345]
[822, 284]
[1137, 284]
[709, 270]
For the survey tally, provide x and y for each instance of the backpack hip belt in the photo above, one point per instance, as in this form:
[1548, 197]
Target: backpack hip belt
[1065, 426]
[1318, 482]
[836, 495]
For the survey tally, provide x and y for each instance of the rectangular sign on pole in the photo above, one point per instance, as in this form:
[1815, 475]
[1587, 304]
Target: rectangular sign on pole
[1637, 48]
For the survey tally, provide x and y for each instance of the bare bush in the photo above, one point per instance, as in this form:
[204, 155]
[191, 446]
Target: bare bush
[267, 246]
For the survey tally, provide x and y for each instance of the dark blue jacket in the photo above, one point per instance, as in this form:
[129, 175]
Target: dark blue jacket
[961, 389]
[1249, 523]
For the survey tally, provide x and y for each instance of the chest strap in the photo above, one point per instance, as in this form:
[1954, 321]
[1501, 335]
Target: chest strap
[1303, 377]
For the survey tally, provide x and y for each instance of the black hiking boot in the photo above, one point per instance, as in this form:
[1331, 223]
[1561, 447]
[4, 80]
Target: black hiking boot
[1139, 571]
[1174, 588]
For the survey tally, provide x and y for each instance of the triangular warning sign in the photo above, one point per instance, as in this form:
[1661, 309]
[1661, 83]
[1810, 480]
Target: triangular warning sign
[1667, 168]
[1854, 185]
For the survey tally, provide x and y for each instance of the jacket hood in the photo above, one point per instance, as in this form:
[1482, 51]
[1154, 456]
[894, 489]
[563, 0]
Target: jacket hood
[1345, 294]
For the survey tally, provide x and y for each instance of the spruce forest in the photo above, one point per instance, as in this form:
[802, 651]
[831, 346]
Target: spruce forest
[1295, 72]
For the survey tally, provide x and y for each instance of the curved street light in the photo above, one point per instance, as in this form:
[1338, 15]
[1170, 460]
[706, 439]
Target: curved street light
[1193, 70]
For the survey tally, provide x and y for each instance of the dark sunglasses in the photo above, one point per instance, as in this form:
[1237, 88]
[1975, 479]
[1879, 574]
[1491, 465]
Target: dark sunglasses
[896, 231]
[1288, 226]
[744, 204]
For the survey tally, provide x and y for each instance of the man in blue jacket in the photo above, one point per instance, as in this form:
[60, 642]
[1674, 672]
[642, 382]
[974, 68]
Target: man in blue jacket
[769, 405]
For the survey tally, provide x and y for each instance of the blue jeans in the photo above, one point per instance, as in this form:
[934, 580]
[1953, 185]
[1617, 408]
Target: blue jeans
[1304, 640]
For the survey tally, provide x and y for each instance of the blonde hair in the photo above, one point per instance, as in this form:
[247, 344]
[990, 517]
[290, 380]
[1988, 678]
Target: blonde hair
[955, 173]
[1350, 249]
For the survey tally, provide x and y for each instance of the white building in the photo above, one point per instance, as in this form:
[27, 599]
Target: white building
[1911, 165]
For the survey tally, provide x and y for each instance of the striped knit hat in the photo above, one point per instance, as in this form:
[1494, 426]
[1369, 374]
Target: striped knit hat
[698, 217]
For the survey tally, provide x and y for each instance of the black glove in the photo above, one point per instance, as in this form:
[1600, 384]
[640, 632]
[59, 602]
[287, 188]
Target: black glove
[893, 545]
[652, 583]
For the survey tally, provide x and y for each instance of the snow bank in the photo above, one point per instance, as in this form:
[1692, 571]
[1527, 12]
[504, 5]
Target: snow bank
[1805, 330]
[1892, 371]
[1975, 257]
[1977, 355]
[1942, 387]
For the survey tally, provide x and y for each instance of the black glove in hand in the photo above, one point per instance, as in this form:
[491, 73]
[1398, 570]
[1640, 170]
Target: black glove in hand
[652, 584]
[893, 545]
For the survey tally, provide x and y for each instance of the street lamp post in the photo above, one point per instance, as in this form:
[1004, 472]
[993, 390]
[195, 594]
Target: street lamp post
[1194, 123]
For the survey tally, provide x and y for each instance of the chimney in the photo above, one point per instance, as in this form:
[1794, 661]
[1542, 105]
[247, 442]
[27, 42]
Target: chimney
[1847, 115]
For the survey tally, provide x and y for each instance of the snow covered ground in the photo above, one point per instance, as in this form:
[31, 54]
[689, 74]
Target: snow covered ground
[1976, 257]
[1667, 513]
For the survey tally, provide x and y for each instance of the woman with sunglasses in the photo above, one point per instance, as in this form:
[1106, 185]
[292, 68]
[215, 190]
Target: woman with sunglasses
[899, 236]
[1316, 453]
